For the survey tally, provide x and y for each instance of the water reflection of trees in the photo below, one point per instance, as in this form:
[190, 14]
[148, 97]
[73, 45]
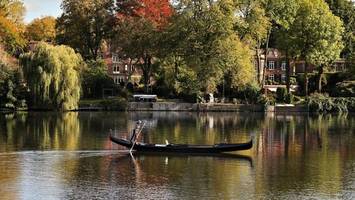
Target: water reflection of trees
[201, 128]
[301, 152]
[155, 176]
[40, 131]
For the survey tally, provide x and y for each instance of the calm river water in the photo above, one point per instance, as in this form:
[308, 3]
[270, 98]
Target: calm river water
[69, 156]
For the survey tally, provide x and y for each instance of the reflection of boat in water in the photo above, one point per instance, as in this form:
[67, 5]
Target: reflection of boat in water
[182, 148]
[209, 155]
[143, 155]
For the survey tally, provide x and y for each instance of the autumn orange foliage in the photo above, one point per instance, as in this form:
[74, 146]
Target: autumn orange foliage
[156, 11]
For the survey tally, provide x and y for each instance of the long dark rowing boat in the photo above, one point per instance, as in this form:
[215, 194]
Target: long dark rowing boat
[183, 148]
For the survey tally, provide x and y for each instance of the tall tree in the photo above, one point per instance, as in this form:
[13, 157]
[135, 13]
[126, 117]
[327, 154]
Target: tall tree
[11, 28]
[281, 13]
[316, 34]
[13, 10]
[41, 29]
[84, 25]
[253, 26]
[52, 75]
[204, 40]
[284, 40]
[139, 25]
[346, 11]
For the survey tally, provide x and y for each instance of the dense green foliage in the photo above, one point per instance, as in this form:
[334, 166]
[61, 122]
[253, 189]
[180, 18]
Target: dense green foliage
[346, 11]
[12, 91]
[344, 89]
[201, 39]
[281, 95]
[317, 35]
[84, 25]
[52, 74]
[325, 104]
[95, 79]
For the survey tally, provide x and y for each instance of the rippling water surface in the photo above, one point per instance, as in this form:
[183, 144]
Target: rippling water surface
[69, 156]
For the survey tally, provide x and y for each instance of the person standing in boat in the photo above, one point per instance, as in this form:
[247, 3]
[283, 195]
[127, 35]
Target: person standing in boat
[134, 132]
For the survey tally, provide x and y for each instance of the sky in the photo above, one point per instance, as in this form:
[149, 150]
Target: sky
[40, 8]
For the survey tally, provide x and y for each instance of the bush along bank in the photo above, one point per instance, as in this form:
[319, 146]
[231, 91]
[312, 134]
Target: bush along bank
[322, 103]
[114, 104]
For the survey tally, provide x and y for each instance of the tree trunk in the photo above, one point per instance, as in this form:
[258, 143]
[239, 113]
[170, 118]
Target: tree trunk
[130, 73]
[146, 72]
[320, 76]
[257, 51]
[266, 53]
[306, 79]
[288, 74]
[176, 68]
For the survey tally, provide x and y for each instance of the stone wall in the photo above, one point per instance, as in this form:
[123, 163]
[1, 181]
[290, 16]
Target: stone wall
[171, 106]
[194, 107]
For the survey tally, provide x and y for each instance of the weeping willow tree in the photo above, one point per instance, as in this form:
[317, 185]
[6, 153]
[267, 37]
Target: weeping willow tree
[52, 75]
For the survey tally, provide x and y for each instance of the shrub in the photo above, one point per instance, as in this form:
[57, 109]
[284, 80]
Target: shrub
[266, 99]
[281, 95]
[325, 104]
[289, 98]
[251, 94]
[95, 79]
[344, 89]
[187, 86]
[293, 81]
[114, 104]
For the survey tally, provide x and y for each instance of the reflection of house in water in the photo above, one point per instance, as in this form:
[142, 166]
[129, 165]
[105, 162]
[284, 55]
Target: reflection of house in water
[289, 145]
[210, 122]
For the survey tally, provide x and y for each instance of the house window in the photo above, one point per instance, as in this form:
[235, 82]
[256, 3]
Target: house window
[271, 65]
[115, 59]
[283, 77]
[283, 66]
[121, 79]
[116, 69]
[116, 80]
[272, 77]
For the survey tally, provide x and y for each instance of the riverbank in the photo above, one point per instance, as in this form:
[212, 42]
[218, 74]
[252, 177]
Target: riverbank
[192, 107]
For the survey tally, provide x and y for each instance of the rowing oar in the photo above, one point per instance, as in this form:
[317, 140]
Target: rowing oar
[130, 151]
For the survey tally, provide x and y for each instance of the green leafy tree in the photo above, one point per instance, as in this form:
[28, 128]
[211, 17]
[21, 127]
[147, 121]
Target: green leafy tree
[138, 39]
[317, 34]
[95, 79]
[284, 40]
[204, 39]
[253, 26]
[10, 98]
[284, 43]
[84, 25]
[52, 75]
[346, 11]
[41, 29]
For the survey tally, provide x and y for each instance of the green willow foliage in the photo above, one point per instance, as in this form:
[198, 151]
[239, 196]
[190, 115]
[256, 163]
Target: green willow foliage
[52, 74]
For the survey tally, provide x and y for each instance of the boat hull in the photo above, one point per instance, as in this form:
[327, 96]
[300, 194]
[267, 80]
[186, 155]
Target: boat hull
[183, 148]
